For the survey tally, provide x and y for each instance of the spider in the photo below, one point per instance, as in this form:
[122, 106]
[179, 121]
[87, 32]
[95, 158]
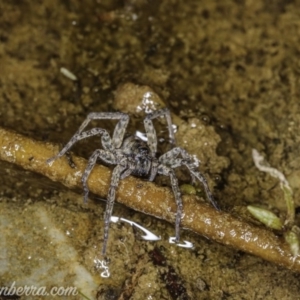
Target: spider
[133, 156]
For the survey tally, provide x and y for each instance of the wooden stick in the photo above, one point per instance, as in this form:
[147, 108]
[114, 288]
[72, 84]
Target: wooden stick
[150, 199]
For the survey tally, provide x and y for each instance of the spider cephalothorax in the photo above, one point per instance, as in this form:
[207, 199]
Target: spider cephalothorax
[133, 156]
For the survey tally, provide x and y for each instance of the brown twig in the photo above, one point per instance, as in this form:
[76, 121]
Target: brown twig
[150, 199]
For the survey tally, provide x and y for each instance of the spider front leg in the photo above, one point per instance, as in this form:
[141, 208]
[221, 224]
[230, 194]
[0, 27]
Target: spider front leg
[164, 170]
[80, 136]
[105, 156]
[151, 132]
[107, 142]
[115, 179]
[152, 138]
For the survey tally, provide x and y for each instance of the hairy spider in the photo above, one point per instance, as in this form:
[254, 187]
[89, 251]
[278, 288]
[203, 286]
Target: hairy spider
[133, 156]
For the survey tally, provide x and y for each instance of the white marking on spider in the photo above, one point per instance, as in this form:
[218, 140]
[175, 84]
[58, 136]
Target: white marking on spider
[141, 135]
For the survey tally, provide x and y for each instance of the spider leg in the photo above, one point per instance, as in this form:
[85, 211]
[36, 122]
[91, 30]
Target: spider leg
[151, 132]
[202, 179]
[77, 137]
[104, 155]
[154, 168]
[164, 170]
[171, 159]
[119, 129]
[115, 178]
[152, 138]
[128, 171]
[107, 142]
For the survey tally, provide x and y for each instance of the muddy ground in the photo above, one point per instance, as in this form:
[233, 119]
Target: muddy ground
[232, 65]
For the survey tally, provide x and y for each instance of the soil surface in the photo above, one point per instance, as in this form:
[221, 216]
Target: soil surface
[229, 68]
